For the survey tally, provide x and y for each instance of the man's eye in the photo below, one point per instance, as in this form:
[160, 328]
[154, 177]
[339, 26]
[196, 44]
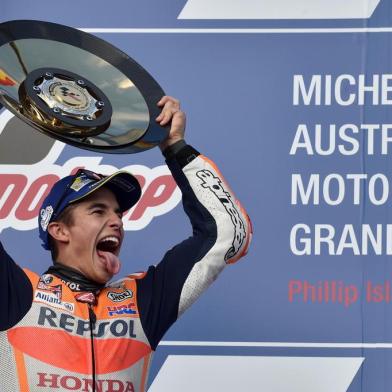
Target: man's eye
[99, 212]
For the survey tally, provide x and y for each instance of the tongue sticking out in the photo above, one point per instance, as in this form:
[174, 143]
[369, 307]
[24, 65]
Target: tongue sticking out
[111, 261]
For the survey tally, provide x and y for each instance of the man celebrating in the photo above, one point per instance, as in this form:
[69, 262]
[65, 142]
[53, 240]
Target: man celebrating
[69, 329]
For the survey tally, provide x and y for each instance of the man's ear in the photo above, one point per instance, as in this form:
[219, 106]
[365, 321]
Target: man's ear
[59, 231]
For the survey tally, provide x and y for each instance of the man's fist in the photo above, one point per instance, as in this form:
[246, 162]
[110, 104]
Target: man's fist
[171, 113]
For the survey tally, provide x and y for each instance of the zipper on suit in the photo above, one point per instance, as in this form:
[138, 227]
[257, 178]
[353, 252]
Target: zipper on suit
[93, 319]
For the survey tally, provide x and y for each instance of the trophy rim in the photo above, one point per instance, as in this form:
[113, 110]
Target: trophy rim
[36, 29]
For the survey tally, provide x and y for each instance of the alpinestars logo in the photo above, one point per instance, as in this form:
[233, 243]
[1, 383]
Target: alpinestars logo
[27, 175]
[215, 185]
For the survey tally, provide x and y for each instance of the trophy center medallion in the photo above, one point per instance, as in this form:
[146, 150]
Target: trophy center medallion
[67, 96]
[70, 94]
[66, 103]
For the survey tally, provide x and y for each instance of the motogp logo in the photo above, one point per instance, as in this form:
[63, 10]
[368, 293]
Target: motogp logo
[26, 178]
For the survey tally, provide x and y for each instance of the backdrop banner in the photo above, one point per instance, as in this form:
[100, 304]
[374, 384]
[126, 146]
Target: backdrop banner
[293, 101]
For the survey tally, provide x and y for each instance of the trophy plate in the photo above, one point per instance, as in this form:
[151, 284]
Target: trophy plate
[78, 88]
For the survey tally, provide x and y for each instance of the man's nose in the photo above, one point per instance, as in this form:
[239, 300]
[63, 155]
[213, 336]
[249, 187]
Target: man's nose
[116, 221]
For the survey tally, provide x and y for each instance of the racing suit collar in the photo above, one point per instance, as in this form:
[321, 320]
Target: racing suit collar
[71, 275]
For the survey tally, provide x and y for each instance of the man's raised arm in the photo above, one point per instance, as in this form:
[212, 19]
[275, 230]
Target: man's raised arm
[221, 233]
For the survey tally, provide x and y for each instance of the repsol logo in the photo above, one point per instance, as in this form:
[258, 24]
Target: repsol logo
[75, 326]
[119, 297]
[71, 383]
[72, 285]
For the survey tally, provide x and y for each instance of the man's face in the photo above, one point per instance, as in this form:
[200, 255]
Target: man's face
[94, 237]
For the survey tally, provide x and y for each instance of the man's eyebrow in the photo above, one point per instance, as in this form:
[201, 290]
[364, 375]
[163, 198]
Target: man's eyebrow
[102, 206]
[97, 205]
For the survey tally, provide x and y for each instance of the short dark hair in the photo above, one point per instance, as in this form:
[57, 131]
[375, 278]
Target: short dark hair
[67, 218]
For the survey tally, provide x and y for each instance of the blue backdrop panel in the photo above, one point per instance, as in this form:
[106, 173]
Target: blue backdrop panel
[238, 90]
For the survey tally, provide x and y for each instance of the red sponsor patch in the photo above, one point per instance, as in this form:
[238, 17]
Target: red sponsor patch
[57, 290]
[88, 298]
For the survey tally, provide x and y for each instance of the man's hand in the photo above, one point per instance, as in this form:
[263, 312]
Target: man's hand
[171, 113]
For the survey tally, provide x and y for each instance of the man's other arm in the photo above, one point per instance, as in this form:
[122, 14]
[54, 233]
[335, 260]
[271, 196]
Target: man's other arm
[16, 292]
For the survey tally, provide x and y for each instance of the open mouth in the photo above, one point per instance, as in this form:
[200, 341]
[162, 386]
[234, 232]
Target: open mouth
[107, 249]
[109, 244]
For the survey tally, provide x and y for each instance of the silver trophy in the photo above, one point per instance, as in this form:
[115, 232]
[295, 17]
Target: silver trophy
[77, 88]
